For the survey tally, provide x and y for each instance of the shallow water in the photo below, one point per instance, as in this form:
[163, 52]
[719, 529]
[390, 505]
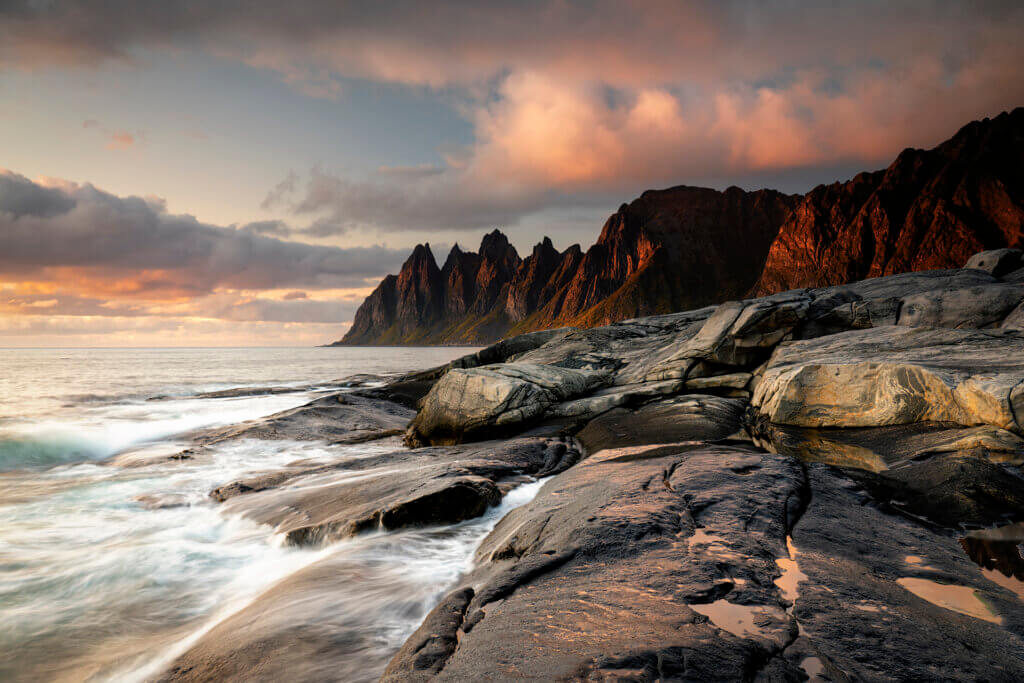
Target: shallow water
[104, 568]
[961, 599]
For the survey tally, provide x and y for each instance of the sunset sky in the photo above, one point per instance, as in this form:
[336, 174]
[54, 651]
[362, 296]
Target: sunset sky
[243, 173]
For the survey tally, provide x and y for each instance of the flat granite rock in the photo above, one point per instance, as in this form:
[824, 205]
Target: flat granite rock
[893, 375]
[712, 563]
[884, 598]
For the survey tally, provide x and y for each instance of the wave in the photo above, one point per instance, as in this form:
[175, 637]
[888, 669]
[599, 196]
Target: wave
[97, 433]
[42, 453]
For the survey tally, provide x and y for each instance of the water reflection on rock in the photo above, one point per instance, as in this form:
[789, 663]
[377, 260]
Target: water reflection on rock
[997, 552]
[962, 599]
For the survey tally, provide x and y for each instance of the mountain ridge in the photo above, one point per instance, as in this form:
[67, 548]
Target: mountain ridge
[685, 247]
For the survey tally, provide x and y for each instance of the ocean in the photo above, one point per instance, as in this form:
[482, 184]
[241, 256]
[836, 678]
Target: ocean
[113, 561]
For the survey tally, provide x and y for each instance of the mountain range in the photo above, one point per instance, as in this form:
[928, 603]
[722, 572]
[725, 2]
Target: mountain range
[687, 247]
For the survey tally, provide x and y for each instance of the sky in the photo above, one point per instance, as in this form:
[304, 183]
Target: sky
[244, 173]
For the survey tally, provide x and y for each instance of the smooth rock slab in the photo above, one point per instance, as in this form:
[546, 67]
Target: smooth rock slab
[869, 378]
[605, 574]
[859, 619]
[339, 418]
[466, 404]
[975, 307]
[684, 418]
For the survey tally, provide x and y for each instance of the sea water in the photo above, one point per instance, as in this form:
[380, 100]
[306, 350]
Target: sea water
[109, 571]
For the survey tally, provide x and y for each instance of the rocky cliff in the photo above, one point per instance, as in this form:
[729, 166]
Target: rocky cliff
[665, 251]
[929, 209]
[687, 247]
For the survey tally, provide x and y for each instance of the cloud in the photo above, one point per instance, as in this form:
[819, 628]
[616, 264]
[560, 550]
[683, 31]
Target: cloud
[411, 172]
[543, 143]
[333, 205]
[619, 42]
[272, 228]
[120, 140]
[117, 140]
[22, 198]
[133, 245]
[74, 252]
[582, 102]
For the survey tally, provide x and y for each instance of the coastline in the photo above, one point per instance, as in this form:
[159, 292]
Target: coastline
[760, 480]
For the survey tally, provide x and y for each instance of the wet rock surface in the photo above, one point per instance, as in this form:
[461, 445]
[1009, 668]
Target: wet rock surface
[600, 575]
[341, 418]
[821, 484]
[883, 426]
[393, 490]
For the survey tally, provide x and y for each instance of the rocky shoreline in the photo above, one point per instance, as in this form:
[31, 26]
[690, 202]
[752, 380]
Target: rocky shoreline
[823, 483]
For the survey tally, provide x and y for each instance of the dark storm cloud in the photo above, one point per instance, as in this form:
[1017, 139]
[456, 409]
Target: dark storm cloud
[103, 237]
[20, 197]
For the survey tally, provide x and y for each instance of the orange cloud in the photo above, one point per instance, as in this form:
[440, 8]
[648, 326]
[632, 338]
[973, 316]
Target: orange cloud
[120, 140]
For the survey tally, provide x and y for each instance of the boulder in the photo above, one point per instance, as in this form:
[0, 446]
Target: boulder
[468, 403]
[738, 333]
[879, 448]
[1015, 320]
[605, 399]
[876, 302]
[999, 262]
[683, 418]
[983, 306]
[896, 375]
[324, 509]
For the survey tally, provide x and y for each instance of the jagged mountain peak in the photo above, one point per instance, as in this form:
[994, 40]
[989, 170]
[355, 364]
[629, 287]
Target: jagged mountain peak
[421, 253]
[686, 246]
